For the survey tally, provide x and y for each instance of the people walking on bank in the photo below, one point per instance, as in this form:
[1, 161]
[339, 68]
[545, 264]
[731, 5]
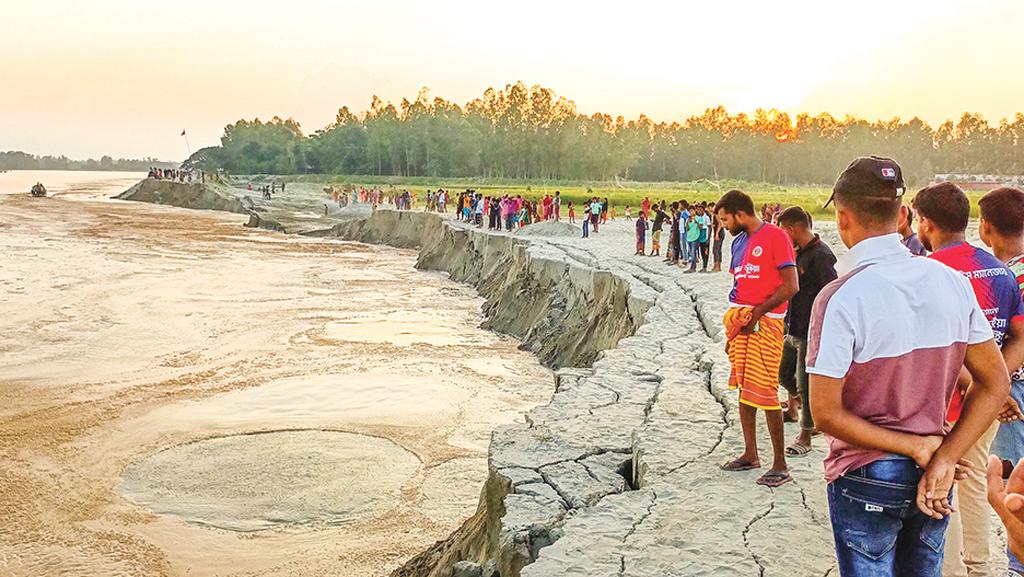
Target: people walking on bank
[596, 210]
[886, 342]
[659, 221]
[719, 240]
[673, 252]
[683, 258]
[704, 238]
[815, 264]
[764, 279]
[557, 204]
[641, 235]
[692, 236]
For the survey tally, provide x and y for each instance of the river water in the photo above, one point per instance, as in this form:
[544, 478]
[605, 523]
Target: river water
[180, 395]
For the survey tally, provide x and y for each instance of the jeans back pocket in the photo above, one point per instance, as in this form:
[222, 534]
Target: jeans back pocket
[870, 525]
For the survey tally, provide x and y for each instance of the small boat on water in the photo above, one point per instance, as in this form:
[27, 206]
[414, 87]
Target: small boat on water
[38, 190]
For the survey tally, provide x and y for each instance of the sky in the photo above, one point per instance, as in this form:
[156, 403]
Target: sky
[124, 78]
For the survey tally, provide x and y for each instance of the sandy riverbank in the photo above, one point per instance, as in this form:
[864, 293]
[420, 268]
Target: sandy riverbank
[618, 473]
[131, 329]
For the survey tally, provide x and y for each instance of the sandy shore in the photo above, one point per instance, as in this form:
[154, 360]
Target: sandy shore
[129, 329]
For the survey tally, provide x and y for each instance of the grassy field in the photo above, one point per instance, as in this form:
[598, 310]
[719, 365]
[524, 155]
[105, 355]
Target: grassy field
[620, 194]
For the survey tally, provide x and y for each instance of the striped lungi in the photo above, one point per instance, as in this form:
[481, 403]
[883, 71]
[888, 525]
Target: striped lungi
[755, 358]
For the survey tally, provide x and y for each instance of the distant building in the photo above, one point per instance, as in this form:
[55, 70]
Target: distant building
[980, 181]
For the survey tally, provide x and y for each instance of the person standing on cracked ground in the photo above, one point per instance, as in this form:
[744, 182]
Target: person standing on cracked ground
[764, 279]
[641, 234]
[944, 212]
[885, 348]
[815, 265]
[659, 221]
[719, 240]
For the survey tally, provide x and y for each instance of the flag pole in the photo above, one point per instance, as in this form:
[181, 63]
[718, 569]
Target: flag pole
[187, 146]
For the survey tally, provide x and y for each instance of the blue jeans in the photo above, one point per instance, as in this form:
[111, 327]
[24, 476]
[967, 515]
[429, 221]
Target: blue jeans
[878, 529]
[693, 250]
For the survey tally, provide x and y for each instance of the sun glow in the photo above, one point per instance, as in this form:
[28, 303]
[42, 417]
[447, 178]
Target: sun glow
[112, 79]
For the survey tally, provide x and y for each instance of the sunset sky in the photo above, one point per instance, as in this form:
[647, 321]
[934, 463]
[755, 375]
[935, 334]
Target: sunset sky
[125, 77]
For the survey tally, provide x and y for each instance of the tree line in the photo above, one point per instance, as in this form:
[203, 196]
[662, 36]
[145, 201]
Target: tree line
[522, 132]
[18, 160]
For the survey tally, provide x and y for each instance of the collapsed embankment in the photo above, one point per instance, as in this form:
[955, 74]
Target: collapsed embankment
[197, 195]
[563, 312]
[567, 314]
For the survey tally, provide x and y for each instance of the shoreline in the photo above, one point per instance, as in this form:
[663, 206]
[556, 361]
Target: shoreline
[186, 325]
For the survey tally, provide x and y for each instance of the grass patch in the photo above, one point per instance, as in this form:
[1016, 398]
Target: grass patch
[620, 194]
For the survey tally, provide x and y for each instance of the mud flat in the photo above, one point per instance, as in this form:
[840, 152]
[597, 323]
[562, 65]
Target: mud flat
[618, 473]
[180, 395]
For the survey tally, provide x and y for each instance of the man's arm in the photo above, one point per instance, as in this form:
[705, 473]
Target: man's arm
[989, 389]
[831, 417]
[1013, 356]
[790, 286]
[1013, 346]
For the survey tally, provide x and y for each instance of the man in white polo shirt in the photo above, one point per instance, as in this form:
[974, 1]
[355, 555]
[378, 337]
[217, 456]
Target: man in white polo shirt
[885, 346]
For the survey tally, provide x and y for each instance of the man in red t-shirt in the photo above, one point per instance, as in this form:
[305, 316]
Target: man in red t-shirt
[764, 279]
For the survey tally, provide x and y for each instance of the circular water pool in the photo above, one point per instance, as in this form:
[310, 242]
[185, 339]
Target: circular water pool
[260, 481]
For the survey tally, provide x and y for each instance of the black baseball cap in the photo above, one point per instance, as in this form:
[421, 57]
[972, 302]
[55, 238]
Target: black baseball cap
[870, 177]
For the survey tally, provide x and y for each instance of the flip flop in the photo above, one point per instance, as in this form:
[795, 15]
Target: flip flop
[775, 479]
[797, 450]
[737, 465]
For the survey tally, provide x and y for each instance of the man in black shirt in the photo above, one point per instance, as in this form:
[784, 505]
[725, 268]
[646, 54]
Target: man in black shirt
[672, 253]
[659, 222]
[816, 268]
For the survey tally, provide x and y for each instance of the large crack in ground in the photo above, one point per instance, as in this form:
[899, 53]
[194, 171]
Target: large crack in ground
[633, 528]
[746, 540]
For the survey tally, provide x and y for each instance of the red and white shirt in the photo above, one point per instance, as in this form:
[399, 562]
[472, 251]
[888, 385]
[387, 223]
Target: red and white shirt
[896, 328]
[757, 262]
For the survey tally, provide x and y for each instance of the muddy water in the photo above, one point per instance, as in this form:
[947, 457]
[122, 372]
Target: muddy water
[180, 395]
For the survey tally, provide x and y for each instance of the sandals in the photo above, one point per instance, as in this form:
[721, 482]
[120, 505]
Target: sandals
[775, 479]
[797, 450]
[737, 465]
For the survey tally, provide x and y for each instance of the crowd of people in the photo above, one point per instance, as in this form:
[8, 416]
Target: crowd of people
[897, 352]
[176, 174]
[906, 353]
[695, 235]
[267, 191]
[504, 212]
[349, 195]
